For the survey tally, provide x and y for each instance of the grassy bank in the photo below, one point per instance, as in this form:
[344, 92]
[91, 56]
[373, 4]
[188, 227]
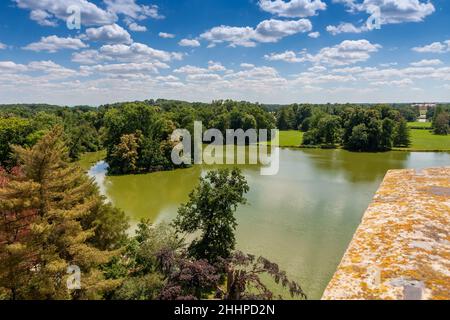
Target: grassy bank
[290, 138]
[421, 140]
[420, 125]
[88, 159]
[425, 140]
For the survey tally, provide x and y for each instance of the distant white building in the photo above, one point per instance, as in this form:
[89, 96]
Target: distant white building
[423, 108]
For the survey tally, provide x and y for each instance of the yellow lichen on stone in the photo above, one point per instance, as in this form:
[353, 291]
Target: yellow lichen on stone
[401, 250]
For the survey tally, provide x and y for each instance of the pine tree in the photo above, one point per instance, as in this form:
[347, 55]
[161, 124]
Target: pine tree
[55, 197]
[16, 258]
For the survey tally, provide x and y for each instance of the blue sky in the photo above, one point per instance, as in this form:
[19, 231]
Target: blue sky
[269, 51]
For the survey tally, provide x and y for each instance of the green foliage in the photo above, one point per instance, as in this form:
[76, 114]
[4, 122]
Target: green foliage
[125, 155]
[402, 135]
[285, 119]
[80, 125]
[13, 131]
[59, 222]
[409, 113]
[146, 287]
[388, 133]
[152, 123]
[442, 123]
[136, 135]
[140, 262]
[327, 131]
[210, 212]
[377, 128]
[359, 138]
[294, 117]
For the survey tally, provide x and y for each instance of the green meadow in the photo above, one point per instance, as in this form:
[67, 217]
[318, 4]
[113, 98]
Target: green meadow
[421, 140]
[419, 125]
[425, 140]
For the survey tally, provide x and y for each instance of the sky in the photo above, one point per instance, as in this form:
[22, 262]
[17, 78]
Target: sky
[92, 52]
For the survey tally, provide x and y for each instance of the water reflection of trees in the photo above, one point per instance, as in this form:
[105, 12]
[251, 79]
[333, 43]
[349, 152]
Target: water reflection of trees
[148, 195]
[355, 166]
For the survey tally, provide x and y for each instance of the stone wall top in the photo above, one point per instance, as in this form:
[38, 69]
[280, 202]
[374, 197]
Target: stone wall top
[401, 250]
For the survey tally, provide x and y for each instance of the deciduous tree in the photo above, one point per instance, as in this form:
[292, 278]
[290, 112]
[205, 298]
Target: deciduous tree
[210, 212]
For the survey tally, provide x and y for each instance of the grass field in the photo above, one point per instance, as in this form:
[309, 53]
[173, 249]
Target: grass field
[424, 140]
[291, 138]
[421, 125]
[88, 159]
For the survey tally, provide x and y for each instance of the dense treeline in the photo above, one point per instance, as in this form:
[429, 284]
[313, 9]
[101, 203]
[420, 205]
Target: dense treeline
[53, 221]
[136, 135]
[24, 125]
[358, 128]
[354, 127]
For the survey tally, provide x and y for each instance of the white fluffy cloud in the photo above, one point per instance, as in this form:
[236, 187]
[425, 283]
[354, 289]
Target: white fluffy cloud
[203, 77]
[109, 34]
[166, 35]
[314, 35]
[48, 12]
[287, 56]
[55, 43]
[292, 8]
[2, 46]
[189, 43]
[133, 10]
[89, 57]
[345, 53]
[435, 47]
[266, 31]
[426, 63]
[54, 70]
[216, 66]
[392, 11]
[43, 18]
[188, 69]
[133, 26]
[11, 67]
[136, 52]
[50, 70]
[126, 68]
[345, 27]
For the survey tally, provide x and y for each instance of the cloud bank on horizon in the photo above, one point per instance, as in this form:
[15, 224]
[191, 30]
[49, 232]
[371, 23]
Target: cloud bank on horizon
[270, 51]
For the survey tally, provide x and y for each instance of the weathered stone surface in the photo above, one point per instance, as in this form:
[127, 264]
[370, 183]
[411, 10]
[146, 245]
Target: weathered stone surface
[401, 250]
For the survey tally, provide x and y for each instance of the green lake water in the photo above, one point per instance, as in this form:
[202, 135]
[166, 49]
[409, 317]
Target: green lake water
[302, 218]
